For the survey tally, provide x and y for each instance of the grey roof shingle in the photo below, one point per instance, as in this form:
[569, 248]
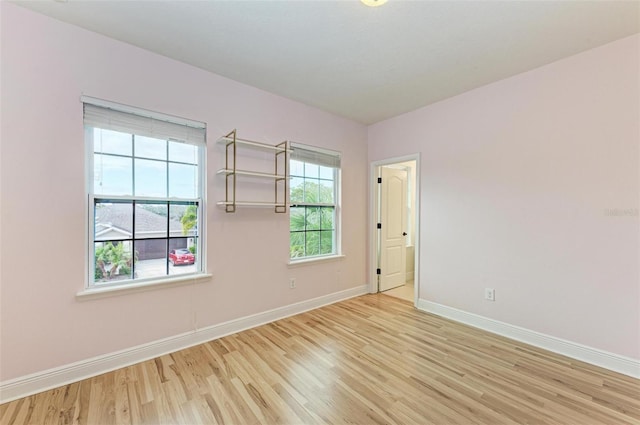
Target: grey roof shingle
[120, 216]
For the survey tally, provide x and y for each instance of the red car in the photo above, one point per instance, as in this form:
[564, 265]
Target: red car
[181, 256]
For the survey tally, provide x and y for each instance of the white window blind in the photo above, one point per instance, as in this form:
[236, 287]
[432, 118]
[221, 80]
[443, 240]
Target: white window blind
[141, 122]
[316, 156]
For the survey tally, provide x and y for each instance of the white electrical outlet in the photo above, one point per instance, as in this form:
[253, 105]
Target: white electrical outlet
[489, 294]
[292, 282]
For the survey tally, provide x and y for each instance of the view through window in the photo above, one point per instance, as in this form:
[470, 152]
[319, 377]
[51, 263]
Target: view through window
[313, 197]
[146, 196]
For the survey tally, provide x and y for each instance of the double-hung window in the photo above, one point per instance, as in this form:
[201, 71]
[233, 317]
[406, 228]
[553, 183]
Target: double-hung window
[145, 183]
[314, 196]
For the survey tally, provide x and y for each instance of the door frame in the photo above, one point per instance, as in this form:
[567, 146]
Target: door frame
[374, 205]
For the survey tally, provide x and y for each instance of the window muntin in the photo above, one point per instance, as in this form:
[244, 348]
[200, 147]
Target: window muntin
[146, 202]
[313, 197]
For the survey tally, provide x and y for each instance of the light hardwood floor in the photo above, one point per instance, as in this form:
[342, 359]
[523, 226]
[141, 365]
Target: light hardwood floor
[369, 360]
[405, 292]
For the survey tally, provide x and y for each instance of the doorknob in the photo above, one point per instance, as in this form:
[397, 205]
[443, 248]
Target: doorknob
[404, 233]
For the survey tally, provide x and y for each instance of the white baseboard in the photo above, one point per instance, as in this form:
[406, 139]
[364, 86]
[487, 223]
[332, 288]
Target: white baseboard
[63, 375]
[611, 361]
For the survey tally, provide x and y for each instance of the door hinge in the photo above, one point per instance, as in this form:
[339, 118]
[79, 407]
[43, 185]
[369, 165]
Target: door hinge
[379, 179]
[379, 225]
[378, 271]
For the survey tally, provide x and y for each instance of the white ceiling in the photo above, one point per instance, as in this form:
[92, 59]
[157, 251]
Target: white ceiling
[367, 64]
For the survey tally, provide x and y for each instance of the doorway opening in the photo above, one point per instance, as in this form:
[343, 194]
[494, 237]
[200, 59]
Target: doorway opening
[395, 227]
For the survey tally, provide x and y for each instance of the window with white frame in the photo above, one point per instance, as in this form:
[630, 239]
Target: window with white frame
[314, 194]
[145, 184]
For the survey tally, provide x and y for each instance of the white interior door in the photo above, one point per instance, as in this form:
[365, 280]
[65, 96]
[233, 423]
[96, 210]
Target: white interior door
[393, 219]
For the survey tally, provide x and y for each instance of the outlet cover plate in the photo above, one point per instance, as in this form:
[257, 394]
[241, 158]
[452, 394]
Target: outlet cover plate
[489, 294]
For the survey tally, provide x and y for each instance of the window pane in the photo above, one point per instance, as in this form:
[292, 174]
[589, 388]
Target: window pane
[148, 250]
[151, 258]
[311, 191]
[296, 242]
[184, 220]
[326, 191]
[297, 190]
[108, 141]
[182, 256]
[326, 173]
[146, 192]
[113, 261]
[312, 243]
[113, 221]
[326, 242]
[311, 170]
[297, 220]
[183, 181]
[151, 178]
[313, 218]
[112, 175]
[151, 220]
[148, 147]
[326, 218]
[312, 228]
[183, 152]
[297, 168]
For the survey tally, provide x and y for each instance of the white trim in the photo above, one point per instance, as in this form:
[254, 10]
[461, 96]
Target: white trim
[605, 359]
[312, 260]
[89, 224]
[201, 246]
[143, 198]
[63, 375]
[373, 200]
[111, 228]
[139, 285]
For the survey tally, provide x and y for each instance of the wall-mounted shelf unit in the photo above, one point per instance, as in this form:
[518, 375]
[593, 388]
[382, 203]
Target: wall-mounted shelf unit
[280, 176]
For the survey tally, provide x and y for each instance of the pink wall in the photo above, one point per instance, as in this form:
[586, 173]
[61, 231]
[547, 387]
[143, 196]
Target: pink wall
[518, 180]
[46, 66]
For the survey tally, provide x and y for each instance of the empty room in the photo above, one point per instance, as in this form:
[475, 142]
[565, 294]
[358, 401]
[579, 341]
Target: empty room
[319, 212]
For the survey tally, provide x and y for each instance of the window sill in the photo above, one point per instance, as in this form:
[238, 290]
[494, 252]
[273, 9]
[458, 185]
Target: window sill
[112, 291]
[314, 260]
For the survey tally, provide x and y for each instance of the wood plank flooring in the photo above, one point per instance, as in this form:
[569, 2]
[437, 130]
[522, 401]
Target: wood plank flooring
[369, 360]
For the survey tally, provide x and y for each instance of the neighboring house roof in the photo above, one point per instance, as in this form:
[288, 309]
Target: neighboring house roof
[108, 231]
[118, 217]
